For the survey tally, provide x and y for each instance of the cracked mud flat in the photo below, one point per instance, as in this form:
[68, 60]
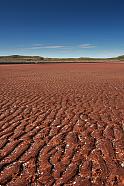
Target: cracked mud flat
[62, 124]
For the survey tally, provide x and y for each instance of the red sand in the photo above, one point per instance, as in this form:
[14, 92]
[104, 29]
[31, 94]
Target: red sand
[62, 124]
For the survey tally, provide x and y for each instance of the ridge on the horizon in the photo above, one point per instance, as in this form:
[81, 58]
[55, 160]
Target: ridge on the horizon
[41, 57]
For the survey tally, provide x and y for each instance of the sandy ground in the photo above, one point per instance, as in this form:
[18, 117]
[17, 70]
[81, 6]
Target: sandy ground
[62, 124]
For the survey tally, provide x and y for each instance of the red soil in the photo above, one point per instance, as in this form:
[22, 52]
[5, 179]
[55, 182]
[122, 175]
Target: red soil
[62, 124]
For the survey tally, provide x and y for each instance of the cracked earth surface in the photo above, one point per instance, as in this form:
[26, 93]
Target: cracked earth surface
[62, 124]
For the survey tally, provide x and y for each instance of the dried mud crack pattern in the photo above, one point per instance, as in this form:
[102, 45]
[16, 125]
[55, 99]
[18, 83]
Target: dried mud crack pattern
[62, 125]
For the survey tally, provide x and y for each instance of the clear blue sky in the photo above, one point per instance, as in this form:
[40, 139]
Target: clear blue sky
[62, 28]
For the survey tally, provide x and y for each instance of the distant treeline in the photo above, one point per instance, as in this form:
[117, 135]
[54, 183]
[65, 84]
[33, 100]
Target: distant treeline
[17, 59]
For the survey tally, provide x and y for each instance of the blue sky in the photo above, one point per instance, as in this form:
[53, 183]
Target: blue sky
[62, 28]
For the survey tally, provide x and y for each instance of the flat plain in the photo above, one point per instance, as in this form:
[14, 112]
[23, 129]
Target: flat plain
[62, 124]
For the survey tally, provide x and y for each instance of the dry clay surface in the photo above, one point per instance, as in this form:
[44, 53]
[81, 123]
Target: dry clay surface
[62, 124]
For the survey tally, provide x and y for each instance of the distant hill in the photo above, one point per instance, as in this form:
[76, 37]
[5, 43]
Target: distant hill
[18, 59]
[121, 57]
